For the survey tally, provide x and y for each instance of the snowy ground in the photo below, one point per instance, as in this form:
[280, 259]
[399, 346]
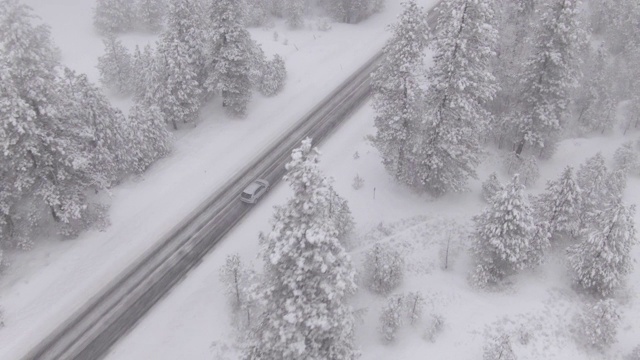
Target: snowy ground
[193, 321]
[43, 286]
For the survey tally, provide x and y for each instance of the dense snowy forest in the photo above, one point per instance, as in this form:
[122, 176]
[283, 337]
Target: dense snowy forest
[511, 77]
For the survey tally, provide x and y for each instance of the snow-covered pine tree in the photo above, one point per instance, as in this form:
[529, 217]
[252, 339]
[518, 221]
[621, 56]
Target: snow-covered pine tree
[490, 187]
[230, 50]
[116, 66]
[391, 318]
[627, 159]
[599, 324]
[351, 11]
[446, 145]
[599, 188]
[339, 214]
[504, 237]
[237, 278]
[150, 14]
[595, 106]
[308, 275]
[114, 16]
[108, 141]
[17, 128]
[602, 259]
[142, 65]
[178, 90]
[383, 269]
[274, 76]
[547, 77]
[149, 136]
[397, 96]
[515, 25]
[54, 141]
[258, 12]
[294, 13]
[558, 209]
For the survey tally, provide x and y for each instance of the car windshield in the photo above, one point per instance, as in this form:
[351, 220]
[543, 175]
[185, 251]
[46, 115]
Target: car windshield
[246, 196]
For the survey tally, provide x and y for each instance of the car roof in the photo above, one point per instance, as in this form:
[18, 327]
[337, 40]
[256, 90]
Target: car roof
[251, 188]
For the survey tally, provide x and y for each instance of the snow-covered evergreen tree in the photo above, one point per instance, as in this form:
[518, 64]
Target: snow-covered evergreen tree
[339, 214]
[143, 66]
[308, 275]
[397, 96]
[595, 106]
[460, 84]
[237, 279]
[114, 16]
[17, 126]
[352, 11]
[230, 51]
[150, 14]
[559, 207]
[274, 76]
[547, 77]
[515, 28]
[294, 13]
[150, 139]
[599, 324]
[178, 90]
[504, 237]
[258, 12]
[599, 188]
[602, 259]
[490, 187]
[383, 269]
[627, 159]
[391, 318]
[116, 66]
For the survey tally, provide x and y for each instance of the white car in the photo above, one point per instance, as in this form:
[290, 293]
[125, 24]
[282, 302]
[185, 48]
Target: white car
[254, 191]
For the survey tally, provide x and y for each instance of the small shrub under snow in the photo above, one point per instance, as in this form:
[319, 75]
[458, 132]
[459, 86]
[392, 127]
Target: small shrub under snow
[435, 325]
[358, 182]
[391, 318]
[598, 324]
[634, 354]
[383, 269]
[498, 348]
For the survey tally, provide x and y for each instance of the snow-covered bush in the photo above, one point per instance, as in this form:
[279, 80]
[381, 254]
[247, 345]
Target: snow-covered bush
[504, 239]
[435, 325]
[634, 354]
[626, 159]
[490, 187]
[357, 183]
[498, 348]
[383, 269]
[524, 165]
[414, 302]
[274, 76]
[356, 155]
[391, 318]
[598, 324]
